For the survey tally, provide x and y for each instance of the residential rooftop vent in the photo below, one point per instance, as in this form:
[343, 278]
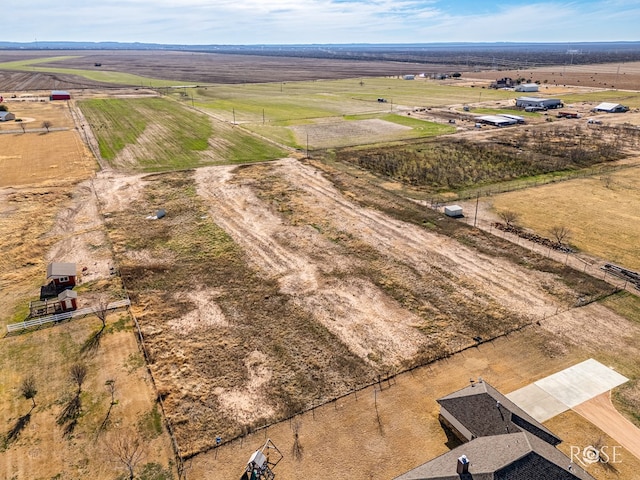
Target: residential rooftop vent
[463, 465]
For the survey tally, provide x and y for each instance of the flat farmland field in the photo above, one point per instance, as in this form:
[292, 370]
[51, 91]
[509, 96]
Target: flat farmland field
[623, 76]
[292, 101]
[354, 131]
[155, 134]
[601, 212]
[26, 70]
[36, 156]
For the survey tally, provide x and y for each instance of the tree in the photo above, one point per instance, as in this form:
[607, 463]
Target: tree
[509, 217]
[28, 389]
[560, 233]
[126, 448]
[46, 124]
[78, 372]
[101, 310]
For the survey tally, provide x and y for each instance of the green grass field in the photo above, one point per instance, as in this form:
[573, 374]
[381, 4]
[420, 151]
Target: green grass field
[278, 102]
[156, 134]
[273, 109]
[105, 76]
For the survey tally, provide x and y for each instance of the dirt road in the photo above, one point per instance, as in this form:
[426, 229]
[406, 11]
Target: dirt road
[601, 412]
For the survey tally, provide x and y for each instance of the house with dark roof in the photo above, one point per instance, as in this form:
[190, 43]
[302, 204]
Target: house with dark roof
[500, 442]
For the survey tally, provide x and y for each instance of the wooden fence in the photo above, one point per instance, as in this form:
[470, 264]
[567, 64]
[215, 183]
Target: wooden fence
[36, 322]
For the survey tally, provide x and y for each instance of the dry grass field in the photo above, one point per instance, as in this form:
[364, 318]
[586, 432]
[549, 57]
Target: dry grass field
[601, 212]
[34, 156]
[286, 292]
[48, 213]
[348, 439]
[272, 288]
[622, 76]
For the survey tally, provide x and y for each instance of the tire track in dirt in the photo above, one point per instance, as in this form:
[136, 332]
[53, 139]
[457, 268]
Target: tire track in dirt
[510, 285]
[316, 272]
[367, 320]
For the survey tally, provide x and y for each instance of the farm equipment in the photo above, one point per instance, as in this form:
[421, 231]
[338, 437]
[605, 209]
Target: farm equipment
[260, 466]
[623, 273]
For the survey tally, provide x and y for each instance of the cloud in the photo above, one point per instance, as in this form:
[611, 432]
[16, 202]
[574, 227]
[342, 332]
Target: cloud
[320, 21]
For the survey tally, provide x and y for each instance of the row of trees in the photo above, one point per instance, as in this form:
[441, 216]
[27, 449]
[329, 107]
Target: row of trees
[559, 233]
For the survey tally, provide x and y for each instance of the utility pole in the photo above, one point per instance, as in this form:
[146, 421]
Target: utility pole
[234, 116]
[307, 145]
[475, 218]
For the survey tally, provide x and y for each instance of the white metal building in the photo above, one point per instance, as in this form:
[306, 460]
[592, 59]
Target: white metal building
[610, 108]
[527, 87]
[496, 120]
[523, 102]
[6, 116]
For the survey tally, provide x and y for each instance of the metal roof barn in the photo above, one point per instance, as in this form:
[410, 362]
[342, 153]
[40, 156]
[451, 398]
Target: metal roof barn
[610, 108]
[496, 120]
[60, 95]
[523, 102]
[517, 118]
[527, 87]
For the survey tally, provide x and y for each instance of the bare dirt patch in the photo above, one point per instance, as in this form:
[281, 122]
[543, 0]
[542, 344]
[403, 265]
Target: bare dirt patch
[601, 412]
[355, 132]
[329, 294]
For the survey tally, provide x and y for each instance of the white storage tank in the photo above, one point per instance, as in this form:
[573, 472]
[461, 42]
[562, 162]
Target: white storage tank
[453, 211]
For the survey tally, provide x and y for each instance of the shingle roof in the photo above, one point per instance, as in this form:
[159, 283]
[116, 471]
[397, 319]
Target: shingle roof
[508, 445]
[517, 456]
[484, 411]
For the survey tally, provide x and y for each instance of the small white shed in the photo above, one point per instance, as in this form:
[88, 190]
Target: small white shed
[453, 211]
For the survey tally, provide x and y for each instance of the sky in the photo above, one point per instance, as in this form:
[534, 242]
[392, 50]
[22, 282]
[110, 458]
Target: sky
[249, 22]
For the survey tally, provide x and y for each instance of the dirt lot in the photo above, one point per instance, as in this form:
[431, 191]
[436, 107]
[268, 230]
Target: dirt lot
[340, 133]
[302, 296]
[623, 76]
